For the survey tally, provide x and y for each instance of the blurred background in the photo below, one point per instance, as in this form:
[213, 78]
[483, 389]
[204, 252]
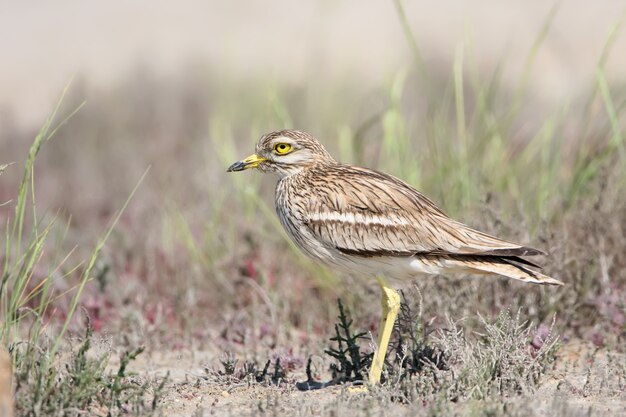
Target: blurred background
[510, 115]
[296, 45]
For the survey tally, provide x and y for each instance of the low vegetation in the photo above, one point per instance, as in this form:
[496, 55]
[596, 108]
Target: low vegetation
[49, 376]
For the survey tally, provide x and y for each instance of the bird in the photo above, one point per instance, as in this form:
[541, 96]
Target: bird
[369, 222]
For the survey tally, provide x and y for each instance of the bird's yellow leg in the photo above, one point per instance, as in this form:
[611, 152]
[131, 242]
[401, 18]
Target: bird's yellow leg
[391, 305]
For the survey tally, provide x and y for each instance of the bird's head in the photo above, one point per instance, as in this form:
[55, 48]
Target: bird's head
[285, 152]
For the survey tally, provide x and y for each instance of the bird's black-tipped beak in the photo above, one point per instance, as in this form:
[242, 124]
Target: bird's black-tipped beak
[252, 161]
[237, 166]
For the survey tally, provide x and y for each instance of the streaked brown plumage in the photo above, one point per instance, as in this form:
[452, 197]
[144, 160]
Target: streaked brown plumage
[373, 223]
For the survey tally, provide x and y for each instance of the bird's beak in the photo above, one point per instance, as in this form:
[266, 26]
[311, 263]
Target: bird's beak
[252, 161]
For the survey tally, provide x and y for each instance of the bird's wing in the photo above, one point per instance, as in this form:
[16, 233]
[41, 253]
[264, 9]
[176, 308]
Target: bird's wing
[370, 213]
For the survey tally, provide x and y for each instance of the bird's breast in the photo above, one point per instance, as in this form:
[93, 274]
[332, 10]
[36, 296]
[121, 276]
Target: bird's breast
[293, 203]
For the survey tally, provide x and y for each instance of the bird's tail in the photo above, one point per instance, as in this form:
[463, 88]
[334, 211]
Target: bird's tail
[506, 266]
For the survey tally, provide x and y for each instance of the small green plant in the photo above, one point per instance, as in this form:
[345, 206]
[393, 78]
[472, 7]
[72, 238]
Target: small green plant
[351, 362]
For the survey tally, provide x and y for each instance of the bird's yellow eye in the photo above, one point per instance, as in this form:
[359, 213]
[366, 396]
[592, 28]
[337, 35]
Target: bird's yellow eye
[282, 148]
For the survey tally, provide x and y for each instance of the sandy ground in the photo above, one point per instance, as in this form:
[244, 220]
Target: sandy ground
[578, 384]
